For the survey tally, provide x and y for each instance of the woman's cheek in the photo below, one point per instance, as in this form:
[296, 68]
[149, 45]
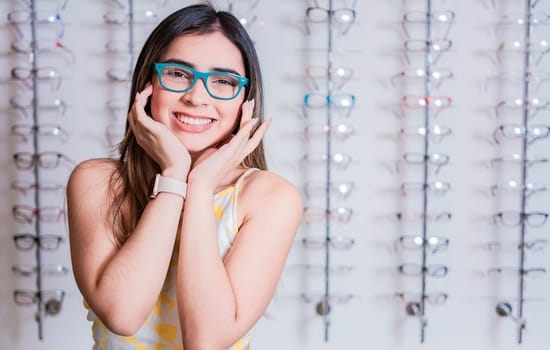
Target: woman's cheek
[155, 107]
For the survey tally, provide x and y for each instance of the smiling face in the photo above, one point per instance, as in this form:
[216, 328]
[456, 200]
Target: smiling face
[199, 120]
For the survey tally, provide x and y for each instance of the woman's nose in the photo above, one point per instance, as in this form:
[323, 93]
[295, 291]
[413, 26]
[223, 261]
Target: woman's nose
[198, 94]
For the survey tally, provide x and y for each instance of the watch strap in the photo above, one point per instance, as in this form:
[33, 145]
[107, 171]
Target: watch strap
[166, 184]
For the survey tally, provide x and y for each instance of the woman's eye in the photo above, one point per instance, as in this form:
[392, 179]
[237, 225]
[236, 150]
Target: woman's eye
[224, 81]
[178, 74]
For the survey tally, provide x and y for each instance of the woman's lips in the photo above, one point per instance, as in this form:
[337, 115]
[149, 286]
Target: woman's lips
[193, 124]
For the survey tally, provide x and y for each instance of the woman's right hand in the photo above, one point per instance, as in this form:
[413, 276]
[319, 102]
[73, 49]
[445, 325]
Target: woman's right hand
[157, 140]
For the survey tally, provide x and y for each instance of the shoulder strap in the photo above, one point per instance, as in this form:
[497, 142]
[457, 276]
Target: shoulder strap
[244, 175]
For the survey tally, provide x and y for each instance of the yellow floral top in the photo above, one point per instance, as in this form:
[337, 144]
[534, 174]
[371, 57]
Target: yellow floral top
[161, 330]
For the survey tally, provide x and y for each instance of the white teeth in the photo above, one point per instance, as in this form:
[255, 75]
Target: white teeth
[194, 121]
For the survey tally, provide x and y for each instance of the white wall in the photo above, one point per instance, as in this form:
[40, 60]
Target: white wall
[374, 318]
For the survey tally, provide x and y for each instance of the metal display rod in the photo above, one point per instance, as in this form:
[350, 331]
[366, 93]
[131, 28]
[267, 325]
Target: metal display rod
[326, 306]
[524, 144]
[36, 172]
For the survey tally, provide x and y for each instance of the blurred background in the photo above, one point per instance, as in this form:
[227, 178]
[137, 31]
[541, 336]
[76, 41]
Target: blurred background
[417, 131]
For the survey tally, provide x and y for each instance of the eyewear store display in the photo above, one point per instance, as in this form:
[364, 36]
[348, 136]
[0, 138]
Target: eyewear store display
[428, 40]
[330, 99]
[39, 136]
[521, 129]
[427, 185]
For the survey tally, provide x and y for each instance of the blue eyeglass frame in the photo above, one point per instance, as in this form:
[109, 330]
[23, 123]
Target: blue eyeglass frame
[159, 67]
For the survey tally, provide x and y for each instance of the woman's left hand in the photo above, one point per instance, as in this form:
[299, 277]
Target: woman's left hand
[215, 163]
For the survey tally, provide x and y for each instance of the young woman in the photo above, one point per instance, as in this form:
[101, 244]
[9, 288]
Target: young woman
[180, 243]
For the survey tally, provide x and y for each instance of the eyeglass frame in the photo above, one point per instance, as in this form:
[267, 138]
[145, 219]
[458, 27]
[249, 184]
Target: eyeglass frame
[441, 245]
[32, 16]
[444, 73]
[330, 12]
[529, 189]
[38, 295]
[338, 270]
[430, 158]
[533, 3]
[37, 240]
[342, 131]
[335, 187]
[159, 67]
[534, 271]
[25, 187]
[430, 102]
[338, 242]
[33, 73]
[515, 157]
[428, 48]
[526, 132]
[522, 217]
[35, 159]
[435, 187]
[434, 298]
[529, 105]
[50, 270]
[535, 245]
[436, 270]
[339, 159]
[408, 216]
[430, 17]
[37, 129]
[329, 101]
[119, 17]
[525, 47]
[34, 46]
[535, 77]
[341, 215]
[59, 105]
[431, 133]
[333, 71]
[20, 217]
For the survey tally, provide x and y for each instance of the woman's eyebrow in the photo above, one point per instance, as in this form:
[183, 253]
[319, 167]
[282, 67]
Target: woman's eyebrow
[228, 70]
[213, 69]
[174, 60]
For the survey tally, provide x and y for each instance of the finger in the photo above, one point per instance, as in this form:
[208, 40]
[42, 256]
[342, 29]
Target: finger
[247, 112]
[241, 141]
[254, 141]
[244, 132]
[141, 97]
[140, 101]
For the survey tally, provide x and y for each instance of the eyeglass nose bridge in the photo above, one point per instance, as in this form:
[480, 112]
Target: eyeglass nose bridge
[200, 76]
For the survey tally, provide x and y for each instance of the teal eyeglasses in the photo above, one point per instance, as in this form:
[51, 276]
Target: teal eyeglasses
[180, 78]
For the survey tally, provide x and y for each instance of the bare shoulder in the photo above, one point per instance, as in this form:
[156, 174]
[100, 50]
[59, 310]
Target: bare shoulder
[92, 171]
[264, 190]
[90, 179]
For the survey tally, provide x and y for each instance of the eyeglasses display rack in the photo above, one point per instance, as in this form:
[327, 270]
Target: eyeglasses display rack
[330, 100]
[427, 50]
[37, 215]
[527, 132]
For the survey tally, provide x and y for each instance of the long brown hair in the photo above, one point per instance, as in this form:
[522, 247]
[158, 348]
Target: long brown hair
[135, 169]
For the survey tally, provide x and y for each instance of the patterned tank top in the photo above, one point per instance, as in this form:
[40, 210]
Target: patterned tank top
[161, 329]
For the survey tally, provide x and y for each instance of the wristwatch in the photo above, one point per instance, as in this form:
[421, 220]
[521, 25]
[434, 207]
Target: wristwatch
[166, 184]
